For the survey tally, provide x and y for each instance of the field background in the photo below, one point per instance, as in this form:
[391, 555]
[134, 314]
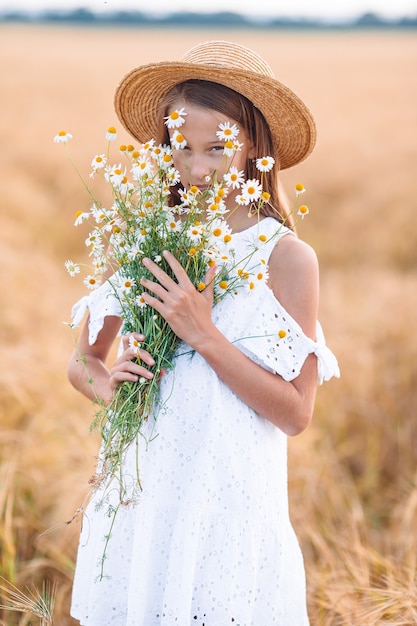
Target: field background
[353, 480]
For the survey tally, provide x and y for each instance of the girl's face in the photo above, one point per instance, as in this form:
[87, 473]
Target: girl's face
[204, 153]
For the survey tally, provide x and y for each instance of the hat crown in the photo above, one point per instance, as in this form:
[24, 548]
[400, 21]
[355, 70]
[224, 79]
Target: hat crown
[226, 54]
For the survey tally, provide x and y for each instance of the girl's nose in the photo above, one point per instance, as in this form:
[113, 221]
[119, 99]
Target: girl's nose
[199, 169]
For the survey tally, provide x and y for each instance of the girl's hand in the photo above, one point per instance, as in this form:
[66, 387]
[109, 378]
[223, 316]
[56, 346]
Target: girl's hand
[127, 367]
[186, 310]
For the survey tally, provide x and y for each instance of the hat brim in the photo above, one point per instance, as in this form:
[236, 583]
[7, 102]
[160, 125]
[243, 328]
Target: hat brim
[292, 126]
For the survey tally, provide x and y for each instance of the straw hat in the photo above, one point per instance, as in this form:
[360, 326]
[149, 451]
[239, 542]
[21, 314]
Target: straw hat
[292, 126]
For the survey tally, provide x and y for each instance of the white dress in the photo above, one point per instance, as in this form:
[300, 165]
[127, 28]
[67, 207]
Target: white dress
[210, 542]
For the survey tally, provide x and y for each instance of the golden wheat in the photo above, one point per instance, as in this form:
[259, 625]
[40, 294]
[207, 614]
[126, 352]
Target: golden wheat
[353, 482]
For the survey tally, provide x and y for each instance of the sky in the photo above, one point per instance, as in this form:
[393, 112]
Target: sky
[321, 9]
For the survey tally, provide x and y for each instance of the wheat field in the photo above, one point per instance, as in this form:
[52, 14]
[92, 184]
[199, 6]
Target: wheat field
[353, 478]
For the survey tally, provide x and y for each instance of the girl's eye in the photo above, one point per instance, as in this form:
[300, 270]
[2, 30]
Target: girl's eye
[218, 148]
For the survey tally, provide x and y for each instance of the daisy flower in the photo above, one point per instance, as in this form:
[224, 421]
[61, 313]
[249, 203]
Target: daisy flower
[303, 210]
[141, 167]
[98, 162]
[62, 137]
[91, 282]
[234, 178]
[251, 190]
[249, 286]
[165, 161]
[299, 189]
[178, 141]
[175, 119]
[140, 302]
[231, 146]
[72, 268]
[265, 164]
[94, 241]
[124, 186]
[115, 175]
[241, 200]
[172, 176]
[111, 133]
[185, 196]
[262, 276]
[174, 225]
[127, 284]
[134, 345]
[220, 230]
[195, 232]
[80, 217]
[227, 131]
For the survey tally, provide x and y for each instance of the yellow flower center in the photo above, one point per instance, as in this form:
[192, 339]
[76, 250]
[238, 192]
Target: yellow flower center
[223, 284]
[217, 232]
[303, 209]
[262, 238]
[123, 148]
[179, 138]
[192, 251]
[167, 158]
[111, 129]
[174, 115]
[201, 286]
[266, 196]
[299, 187]
[227, 238]
[282, 334]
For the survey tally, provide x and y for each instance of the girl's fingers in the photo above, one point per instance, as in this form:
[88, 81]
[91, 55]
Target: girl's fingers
[162, 277]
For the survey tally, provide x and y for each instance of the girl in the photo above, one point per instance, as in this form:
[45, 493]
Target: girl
[210, 541]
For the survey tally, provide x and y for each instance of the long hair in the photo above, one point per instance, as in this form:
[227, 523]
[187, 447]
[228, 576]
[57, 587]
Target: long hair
[239, 109]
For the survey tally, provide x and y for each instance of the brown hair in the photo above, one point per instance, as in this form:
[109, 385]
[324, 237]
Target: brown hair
[239, 109]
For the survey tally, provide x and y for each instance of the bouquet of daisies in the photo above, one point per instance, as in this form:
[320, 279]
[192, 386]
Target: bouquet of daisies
[142, 221]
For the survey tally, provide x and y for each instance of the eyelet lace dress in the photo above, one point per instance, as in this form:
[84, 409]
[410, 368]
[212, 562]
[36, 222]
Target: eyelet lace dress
[209, 541]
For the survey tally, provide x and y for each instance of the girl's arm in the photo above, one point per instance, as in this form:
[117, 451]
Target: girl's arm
[87, 370]
[293, 274]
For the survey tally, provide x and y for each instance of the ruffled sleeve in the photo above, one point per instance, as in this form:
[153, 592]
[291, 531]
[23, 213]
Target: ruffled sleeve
[100, 303]
[273, 339]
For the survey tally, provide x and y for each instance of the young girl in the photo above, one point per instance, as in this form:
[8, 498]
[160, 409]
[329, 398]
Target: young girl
[210, 540]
